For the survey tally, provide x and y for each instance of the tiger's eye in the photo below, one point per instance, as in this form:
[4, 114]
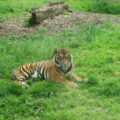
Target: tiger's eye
[60, 58]
[69, 58]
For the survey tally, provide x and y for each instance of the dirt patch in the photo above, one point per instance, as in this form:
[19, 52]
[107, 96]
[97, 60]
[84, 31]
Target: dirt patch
[16, 26]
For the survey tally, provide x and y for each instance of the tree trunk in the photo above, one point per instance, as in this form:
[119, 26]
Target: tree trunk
[49, 10]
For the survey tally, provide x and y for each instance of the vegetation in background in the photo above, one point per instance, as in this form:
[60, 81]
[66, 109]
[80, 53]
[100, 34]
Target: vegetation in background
[13, 8]
[105, 6]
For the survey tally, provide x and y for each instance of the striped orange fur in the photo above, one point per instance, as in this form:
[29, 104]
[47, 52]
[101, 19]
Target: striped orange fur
[56, 69]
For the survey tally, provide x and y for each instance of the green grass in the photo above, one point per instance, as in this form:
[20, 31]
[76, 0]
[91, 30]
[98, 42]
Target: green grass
[13, 8]
[105, 6]
[96, 56]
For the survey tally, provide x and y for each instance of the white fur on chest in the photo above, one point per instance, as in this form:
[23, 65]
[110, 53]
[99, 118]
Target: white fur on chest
[35, 74]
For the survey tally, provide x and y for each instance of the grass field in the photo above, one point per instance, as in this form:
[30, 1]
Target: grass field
[13, 8]
[96, 54]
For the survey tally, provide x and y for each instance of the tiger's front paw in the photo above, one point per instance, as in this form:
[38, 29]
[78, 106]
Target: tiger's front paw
[24, 85]
[81, 79]
[72, 84]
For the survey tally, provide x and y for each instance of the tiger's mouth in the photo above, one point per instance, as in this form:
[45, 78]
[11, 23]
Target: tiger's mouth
[64, 68]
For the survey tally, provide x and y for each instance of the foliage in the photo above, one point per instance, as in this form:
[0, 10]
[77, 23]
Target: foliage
[105, 6]
[13, 8]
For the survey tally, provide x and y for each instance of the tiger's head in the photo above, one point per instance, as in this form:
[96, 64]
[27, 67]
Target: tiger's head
[63, 60]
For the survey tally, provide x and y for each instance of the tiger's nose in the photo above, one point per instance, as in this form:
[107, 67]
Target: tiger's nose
[64, 65]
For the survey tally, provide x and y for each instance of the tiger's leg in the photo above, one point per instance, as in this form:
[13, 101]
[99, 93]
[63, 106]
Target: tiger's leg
[24, 85]
[20, 80]
[65, 81]
[75, 77]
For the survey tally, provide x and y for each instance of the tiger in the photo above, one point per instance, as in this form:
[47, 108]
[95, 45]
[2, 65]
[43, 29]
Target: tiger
[56, 69]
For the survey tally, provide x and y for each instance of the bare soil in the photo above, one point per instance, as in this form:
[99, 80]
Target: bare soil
[16, 26]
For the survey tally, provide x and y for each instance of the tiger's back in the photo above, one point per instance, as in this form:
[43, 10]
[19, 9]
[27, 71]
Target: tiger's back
[31, 70]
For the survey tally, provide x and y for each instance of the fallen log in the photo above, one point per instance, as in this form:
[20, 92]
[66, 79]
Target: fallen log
[49, 10]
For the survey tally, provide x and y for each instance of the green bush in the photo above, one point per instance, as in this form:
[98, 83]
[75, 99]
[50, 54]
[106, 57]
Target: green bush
[105, 6]
[6, 9]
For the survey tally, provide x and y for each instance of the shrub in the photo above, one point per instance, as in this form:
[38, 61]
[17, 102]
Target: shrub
[105, 6]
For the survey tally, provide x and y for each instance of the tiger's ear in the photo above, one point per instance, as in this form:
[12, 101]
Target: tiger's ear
[56, 51]
[68, 50]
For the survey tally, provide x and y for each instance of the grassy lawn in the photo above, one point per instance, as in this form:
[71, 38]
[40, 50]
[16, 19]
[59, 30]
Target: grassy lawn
[96, 54]
[13, 8]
